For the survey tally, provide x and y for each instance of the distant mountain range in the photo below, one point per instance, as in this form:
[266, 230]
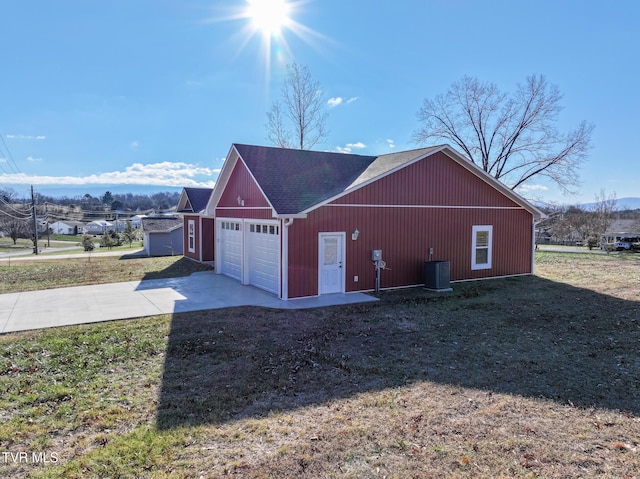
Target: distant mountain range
[621, 204]
[99, 190]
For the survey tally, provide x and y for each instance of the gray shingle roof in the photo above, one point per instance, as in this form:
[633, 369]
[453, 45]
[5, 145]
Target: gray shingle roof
[294, 180]
[198, 199]
[160, 224]
[624, 226]
[385, 163]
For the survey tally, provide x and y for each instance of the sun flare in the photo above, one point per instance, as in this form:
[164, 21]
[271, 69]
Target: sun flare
[272, 23]
[269, 16]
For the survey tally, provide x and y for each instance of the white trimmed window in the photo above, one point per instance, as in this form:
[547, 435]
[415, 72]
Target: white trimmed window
[192, 235]
[482, 246]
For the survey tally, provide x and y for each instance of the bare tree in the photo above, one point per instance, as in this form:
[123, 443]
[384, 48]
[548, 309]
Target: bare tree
[513, 138]
[602, 213]
[301, 114]
[15, 218]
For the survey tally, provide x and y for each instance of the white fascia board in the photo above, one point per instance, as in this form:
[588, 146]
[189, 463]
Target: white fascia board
[183, 200]
[296, 216]
[223, 178]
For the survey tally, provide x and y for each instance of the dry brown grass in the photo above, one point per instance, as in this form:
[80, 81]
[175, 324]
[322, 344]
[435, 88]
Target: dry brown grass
[522, 377]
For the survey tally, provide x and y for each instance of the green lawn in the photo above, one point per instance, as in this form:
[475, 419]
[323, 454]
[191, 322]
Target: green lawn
[522, 377]
[51, 272]
[46, 245]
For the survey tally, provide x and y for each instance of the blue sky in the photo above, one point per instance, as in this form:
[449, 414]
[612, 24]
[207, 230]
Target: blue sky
[154, 92]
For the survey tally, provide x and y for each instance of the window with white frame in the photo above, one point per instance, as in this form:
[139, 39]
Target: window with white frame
[482, 246]
[192, 235]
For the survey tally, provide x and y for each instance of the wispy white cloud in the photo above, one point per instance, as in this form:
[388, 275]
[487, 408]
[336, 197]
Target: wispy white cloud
[338, 100]
[158, 174]
[529, 188]
[26, 137]
[32, 159]
[391, 143]
[349, 147]
[134, 144]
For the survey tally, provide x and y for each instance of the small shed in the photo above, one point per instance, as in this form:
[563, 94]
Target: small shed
[162, 236]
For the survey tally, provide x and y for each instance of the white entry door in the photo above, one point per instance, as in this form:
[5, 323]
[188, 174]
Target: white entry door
[331, 263]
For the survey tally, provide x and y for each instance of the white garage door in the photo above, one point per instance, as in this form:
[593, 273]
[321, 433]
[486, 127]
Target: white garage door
[231, 249]
[263, 256]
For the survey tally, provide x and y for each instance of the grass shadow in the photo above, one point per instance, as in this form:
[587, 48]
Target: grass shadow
[525, 336]
[177, 269]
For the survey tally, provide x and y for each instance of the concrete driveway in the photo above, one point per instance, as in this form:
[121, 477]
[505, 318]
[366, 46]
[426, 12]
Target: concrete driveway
[134, 299]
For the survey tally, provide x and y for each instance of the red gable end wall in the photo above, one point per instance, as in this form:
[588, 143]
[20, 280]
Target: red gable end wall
[241, 184]
[436, 180]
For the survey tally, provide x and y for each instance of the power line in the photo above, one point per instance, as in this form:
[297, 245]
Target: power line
[9, 156]
[9, 206]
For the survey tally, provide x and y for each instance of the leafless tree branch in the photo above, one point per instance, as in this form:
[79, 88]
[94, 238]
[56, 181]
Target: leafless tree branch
[514, 138]
[303, 108]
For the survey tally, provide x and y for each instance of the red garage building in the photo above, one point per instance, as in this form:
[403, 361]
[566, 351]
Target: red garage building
[304, 223]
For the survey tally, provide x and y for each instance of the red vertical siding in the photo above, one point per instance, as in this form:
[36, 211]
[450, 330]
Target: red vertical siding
[196, 220]
[208, 239]
[430, 204]
[437, 180]
[405, 236]
[204, 238]
[242, 185]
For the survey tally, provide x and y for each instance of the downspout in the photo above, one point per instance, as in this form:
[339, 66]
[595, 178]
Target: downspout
[533, 246]
[200, 246]
[286, 222]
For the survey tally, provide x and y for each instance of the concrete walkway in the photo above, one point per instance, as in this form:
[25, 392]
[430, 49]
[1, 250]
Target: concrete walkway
[134, 299]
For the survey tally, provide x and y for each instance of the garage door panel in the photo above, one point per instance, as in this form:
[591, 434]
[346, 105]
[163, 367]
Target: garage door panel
[231, 249]
[264, 257]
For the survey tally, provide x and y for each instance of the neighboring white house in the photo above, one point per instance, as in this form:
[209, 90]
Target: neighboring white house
[66, 227]
[136, 221]
[120, 225]
[98, 227]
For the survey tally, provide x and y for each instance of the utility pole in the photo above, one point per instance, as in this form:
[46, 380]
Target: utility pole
[35, 222]
[46, 214]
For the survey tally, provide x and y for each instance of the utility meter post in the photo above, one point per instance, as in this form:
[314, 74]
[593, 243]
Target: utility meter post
[376, 257]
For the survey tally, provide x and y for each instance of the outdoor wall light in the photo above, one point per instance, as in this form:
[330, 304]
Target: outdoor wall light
[355, 234]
